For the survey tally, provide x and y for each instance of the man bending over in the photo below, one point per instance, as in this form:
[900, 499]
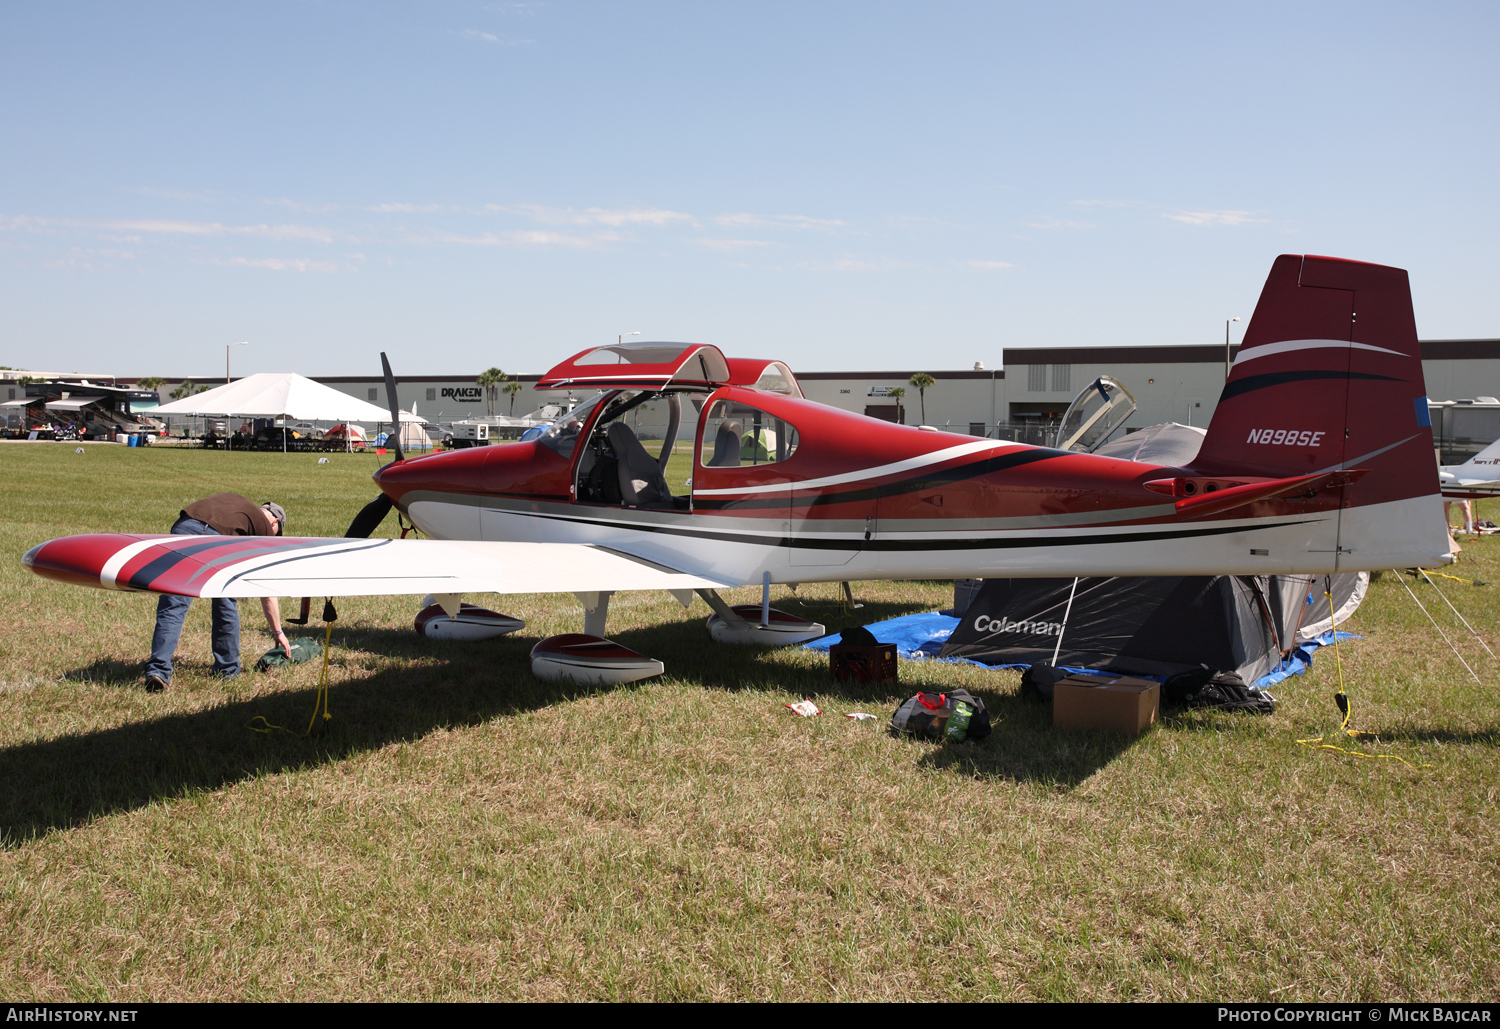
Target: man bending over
[223, 514]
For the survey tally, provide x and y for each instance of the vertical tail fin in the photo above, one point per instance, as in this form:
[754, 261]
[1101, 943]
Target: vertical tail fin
[1330, 376]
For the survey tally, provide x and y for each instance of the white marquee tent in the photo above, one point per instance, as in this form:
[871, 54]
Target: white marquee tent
[285, 395]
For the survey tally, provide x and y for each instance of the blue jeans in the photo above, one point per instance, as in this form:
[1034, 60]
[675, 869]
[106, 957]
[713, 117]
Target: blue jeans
[171, 610]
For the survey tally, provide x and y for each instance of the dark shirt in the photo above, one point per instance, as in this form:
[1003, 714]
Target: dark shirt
[230, 514]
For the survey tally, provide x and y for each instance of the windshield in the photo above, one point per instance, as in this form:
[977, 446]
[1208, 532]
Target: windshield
[562, 435]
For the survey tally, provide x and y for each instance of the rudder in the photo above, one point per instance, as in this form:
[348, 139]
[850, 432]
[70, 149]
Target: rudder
[1330, 377]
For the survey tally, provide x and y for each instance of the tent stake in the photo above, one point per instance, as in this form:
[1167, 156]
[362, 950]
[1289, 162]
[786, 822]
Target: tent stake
[1441, 633]
[1461, 618]
[1066, 612]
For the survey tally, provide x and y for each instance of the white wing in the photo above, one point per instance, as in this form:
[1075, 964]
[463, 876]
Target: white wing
[250, 566]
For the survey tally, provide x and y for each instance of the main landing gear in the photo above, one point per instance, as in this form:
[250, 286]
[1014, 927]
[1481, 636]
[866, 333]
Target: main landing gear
[589, 658]
[758, 625]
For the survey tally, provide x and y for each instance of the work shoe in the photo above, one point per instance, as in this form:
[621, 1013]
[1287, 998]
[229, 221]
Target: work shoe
[155, 684]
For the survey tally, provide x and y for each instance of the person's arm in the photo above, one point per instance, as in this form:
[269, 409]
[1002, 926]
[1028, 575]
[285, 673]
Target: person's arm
[272, 608]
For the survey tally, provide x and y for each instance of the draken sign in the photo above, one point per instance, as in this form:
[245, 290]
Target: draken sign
[463, 394]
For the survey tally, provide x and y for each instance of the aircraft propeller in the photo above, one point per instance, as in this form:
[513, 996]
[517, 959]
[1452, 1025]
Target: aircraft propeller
[372, 514]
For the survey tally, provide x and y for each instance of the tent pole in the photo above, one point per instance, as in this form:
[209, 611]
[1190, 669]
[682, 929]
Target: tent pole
[1461, 618]
[1069, 610]
[1435, 625]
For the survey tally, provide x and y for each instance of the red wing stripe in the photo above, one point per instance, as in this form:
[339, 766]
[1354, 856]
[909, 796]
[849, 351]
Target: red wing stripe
[180, 570]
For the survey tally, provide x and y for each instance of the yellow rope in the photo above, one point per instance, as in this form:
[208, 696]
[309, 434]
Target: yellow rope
[1342, 700]
[1455, 578]
[320, 704]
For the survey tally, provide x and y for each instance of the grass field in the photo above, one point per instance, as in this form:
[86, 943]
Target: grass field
[462, 831]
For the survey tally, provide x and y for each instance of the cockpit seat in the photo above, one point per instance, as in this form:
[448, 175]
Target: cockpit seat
[726, 446]
[641, 481]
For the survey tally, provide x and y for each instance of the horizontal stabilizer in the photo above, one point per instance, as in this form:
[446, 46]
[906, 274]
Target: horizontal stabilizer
[1239, 496]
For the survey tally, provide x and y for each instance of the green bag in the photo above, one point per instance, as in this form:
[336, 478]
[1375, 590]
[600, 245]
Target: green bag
[304, 649]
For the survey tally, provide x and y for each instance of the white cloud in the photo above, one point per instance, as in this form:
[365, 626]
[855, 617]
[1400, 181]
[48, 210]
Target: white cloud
[527, 10]
[526, 237]
[29, 223]
[490, 37]
[297, 205]
[919, 221]
[406, 208]
[732, 244]
[652, 216]
[280, 264]
[1214, 217]
[852, 264]
[168, 226]
[1056, 223]
[172, 194]
[744, 219]
[993, 266]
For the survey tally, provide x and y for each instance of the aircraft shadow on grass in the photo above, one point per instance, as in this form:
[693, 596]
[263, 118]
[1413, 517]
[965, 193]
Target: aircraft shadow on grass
[69, 781]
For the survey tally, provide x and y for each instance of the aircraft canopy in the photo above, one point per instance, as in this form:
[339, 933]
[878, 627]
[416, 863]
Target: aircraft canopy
[641, 366]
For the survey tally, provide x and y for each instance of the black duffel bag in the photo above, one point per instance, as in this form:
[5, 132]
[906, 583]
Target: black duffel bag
[1205, 687]
[956, 715]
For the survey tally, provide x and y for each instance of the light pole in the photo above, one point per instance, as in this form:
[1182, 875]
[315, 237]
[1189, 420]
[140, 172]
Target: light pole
[621, 339]
[241, 343]
[1226, 346]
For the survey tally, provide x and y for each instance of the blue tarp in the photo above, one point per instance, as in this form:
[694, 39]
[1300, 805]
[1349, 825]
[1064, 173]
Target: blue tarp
[1300, 659]
[921, 636]
[910, 634]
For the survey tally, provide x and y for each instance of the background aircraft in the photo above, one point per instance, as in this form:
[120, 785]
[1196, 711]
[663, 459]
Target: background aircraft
[1477, 477]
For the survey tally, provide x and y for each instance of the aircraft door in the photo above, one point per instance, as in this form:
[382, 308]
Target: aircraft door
[739, 484]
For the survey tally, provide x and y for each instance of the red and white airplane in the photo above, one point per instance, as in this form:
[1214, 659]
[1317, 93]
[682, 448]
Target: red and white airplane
[1476, 478]
[1318, 460]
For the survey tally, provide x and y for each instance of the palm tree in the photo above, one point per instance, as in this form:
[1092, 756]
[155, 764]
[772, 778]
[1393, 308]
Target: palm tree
[512, 387]
[490, 379]
[920, 382]
[898, 392]
[151, 382]
[185, 390]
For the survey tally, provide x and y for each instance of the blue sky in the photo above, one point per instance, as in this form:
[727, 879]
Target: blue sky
[839, 185]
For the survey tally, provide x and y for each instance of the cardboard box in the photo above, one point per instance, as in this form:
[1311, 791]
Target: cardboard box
[1120, 703]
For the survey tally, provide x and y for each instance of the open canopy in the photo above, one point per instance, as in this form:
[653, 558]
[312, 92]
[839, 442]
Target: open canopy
[641, 366]
[283, 395]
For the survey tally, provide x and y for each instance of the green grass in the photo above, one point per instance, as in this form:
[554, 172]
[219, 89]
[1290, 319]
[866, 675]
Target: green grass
[462, 831]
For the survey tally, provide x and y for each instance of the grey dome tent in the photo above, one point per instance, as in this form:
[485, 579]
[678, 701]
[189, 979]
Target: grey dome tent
[1151, 626]
[1158, 625]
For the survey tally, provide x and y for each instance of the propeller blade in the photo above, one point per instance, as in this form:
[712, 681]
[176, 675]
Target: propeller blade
[369, 518]
[390, 396]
